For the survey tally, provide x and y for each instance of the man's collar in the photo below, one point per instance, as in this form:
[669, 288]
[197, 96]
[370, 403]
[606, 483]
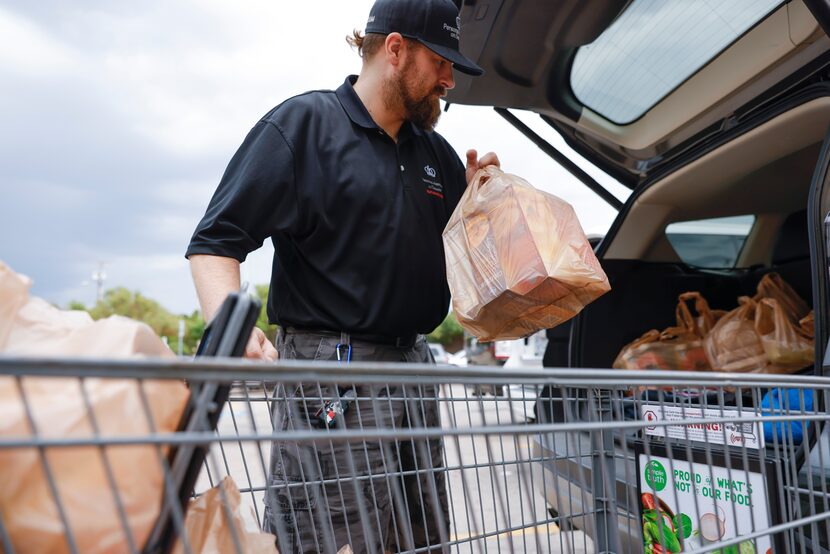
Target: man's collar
[354, 107]
[358, 113]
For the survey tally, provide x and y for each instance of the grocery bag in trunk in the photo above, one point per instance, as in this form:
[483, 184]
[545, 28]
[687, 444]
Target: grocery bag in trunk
[786, 345]
[678, 347]
[764, 333]
[734, 344]
[517, 259]
[773, 286]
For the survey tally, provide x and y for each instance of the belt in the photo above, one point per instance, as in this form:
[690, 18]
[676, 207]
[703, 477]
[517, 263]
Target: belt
[403, 341]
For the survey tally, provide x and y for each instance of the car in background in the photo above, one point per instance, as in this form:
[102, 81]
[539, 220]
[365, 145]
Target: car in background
[523, 353]
[482, 354]
[502, 350]
[458, 359]
[439, 353]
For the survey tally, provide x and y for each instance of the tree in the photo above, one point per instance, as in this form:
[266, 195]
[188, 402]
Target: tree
[133, 304]
[449, 332]
[262, 321]
[123, 302]
[194, 328]
[75, 305]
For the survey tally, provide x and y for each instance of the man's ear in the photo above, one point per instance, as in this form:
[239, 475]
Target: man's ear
[394, 48]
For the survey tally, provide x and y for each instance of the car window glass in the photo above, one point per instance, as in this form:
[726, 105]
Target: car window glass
[710, 243]
[653, 47]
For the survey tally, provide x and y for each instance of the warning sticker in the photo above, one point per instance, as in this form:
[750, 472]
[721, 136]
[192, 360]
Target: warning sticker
[719, 431]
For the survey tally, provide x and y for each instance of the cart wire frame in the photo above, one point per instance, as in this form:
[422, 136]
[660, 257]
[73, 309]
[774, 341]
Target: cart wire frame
[559, 460]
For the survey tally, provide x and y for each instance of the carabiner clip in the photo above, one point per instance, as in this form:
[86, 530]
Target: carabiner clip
[348, 349]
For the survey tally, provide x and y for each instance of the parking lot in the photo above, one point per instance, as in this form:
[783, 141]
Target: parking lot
[495, 504]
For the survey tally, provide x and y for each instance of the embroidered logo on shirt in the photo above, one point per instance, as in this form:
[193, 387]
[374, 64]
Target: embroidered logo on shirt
[433, 187]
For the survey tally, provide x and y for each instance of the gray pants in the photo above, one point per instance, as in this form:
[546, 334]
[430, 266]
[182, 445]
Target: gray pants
[375, 496]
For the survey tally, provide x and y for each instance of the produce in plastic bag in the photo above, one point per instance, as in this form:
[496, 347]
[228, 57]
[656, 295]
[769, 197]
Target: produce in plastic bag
[58, 408]
[786, 345]
[733, 344]
[807, 325]
[517, 259]
[759, 335]
[678, 347]
[773, 286]
[209, 530]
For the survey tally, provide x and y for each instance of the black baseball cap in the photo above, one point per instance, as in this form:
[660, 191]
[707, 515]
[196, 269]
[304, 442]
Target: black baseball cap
[433, 23]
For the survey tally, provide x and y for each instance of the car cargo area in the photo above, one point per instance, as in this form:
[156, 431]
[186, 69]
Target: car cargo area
[763, 174]
[644, 296]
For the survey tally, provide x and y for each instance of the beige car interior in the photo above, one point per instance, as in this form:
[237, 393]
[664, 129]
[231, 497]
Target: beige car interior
[786, 39]
[765, 172]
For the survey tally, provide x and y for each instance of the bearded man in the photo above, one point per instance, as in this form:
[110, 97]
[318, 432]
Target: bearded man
[354, 188]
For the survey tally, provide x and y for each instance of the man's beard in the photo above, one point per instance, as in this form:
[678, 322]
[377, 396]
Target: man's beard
[399, 94]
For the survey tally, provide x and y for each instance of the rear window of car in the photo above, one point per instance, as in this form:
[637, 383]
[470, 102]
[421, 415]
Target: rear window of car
[654, 46]
[710, 243]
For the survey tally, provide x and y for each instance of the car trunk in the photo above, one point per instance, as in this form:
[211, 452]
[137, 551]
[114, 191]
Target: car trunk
[741, 135]
[537, 58]
[644, 296]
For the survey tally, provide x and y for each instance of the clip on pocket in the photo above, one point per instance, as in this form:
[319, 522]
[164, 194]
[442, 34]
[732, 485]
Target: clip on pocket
[344, 352]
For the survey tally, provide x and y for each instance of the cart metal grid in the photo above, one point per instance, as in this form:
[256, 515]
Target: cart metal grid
[560, 461]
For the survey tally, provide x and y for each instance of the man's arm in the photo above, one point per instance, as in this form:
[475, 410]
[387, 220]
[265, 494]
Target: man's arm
[248, 206]
[215, 277]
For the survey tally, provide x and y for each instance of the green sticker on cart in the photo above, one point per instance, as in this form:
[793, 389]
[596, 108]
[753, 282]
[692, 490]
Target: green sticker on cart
[656, 475]
[684, 523]
[701, 504]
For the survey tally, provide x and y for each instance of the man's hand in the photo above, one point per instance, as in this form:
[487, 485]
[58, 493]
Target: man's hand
[474, 164]
[259, 347]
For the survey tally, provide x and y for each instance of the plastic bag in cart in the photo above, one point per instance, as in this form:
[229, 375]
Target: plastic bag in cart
[679, 347]
[733, 345]
[14, 292]
[772, 285]
[30, 512]
[756, 336]
[786, 345]
[208, 529]
[517, 259]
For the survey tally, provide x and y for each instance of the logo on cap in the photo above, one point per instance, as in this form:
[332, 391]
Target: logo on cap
[455, 32]
[434, 23]
[429, 171]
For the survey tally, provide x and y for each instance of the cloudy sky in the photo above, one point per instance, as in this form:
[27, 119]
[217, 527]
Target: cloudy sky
[118, 119]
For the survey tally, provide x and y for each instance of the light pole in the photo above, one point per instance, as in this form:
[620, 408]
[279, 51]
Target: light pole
[98, 277]
[181, 337]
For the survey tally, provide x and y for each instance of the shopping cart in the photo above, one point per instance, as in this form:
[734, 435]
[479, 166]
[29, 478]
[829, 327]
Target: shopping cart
[610, 461]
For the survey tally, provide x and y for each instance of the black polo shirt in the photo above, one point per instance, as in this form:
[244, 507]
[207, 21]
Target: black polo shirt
[355, 218]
